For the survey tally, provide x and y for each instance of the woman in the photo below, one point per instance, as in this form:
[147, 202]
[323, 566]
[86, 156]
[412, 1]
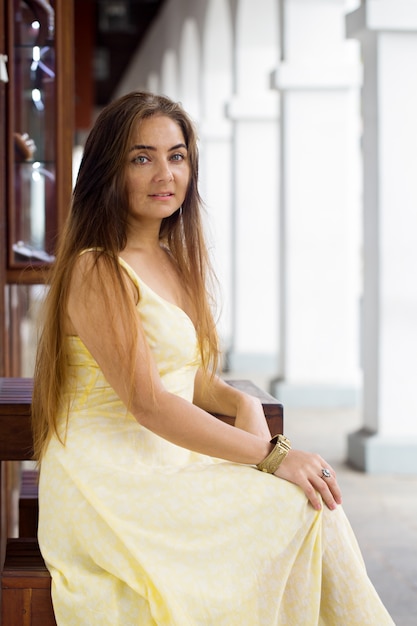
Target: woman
[152, 512]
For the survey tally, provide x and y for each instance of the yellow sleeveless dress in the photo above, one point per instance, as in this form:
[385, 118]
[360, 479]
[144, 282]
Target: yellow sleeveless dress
[138, 531]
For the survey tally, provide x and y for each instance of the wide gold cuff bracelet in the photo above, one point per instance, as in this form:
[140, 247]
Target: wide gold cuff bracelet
[274, 459]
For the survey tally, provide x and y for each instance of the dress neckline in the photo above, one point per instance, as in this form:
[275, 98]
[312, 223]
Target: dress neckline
[140, 282]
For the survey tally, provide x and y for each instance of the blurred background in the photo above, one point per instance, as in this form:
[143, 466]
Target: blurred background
[305, 112]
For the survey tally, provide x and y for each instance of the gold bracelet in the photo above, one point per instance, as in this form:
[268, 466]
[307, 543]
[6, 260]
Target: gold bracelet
[274, 459]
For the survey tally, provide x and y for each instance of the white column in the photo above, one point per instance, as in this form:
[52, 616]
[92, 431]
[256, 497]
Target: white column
[318, 79]
[256, 234]
[253, 110]
[216, 156]
[190, 69]
[387, 442]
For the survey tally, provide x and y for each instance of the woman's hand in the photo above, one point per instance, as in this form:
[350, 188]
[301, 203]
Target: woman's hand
[250, 417]
[305, 470]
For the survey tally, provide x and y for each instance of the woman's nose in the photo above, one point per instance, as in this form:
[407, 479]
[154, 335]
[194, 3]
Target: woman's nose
[164, 172]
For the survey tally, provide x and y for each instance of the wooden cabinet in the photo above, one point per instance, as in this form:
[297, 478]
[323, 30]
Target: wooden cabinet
[39, 115]
[37, 106]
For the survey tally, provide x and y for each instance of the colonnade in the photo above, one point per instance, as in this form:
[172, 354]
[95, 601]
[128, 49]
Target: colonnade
[307, 125]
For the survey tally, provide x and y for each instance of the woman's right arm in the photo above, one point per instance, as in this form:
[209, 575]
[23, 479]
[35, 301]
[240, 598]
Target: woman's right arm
[97, 320]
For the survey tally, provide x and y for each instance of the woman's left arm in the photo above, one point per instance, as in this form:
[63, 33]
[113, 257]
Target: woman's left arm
[215, 396]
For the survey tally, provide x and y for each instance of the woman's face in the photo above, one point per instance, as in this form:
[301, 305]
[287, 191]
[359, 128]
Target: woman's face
[158, 169]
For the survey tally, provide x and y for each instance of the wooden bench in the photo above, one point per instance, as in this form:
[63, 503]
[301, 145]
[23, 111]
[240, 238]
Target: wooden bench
[25, 581]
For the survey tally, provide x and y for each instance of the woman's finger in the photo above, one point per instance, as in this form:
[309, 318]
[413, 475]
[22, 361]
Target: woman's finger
[325, 490]
[328, 475]
[315, 477]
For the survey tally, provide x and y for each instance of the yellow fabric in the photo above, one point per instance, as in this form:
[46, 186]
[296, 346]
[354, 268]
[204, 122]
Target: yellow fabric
[138, 531]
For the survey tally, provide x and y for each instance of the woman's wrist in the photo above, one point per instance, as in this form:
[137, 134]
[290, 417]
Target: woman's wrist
[273, 460]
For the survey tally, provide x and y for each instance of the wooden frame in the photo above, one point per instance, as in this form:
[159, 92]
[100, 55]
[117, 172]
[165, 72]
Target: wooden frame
[3, 247]
[63, 130]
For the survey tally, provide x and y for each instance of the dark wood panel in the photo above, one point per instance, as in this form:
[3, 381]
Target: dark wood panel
[3, 241]
[15, 415]
[26, 586]
[24, 559]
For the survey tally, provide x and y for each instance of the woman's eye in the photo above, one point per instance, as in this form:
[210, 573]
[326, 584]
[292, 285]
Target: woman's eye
[140, 159]
[177, 157]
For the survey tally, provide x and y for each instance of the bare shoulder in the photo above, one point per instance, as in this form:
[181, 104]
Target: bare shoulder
[95, 272]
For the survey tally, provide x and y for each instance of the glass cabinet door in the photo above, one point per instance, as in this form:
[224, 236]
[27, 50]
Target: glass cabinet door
[32, 223]
[36, 143]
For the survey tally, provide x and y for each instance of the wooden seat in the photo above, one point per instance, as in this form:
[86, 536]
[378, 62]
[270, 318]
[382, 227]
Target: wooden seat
[28, 504]
[25, 580]
[26, 586]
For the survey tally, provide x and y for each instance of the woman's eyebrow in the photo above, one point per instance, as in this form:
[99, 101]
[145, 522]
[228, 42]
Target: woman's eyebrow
[140, 146]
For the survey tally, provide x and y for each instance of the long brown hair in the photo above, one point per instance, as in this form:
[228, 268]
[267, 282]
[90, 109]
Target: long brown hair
[98, 219]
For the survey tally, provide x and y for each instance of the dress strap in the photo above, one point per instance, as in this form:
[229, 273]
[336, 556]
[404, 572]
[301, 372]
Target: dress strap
[130, 272]
[127, 268]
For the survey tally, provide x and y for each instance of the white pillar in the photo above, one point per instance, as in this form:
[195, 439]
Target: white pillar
[319, 79]
[169, 74]
[387, 442]
[253, 111]
[216, 155]
[190, 69]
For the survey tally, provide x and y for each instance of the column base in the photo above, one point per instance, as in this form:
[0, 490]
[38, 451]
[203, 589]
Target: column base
[372, 453]
[311, 396]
